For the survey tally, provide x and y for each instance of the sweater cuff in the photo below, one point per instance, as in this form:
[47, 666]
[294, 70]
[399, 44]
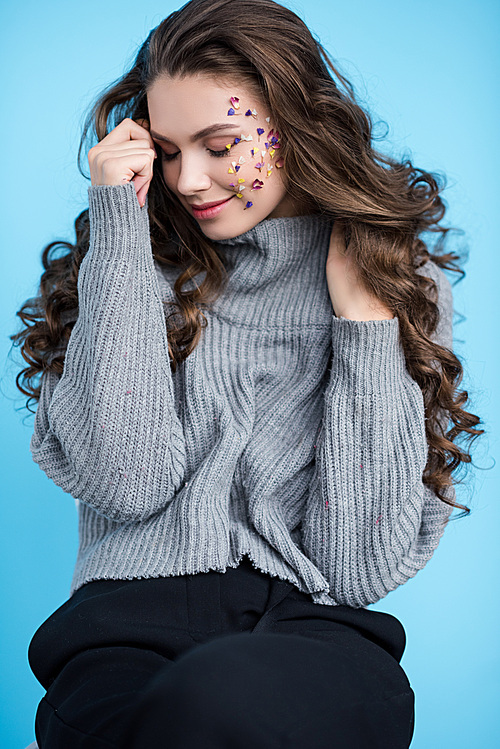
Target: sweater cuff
[117, 206]
[367, 355]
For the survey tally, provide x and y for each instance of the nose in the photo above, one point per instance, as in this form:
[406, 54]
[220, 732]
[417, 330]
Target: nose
[192, 175]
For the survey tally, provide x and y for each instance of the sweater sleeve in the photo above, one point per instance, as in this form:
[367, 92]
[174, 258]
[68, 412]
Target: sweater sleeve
[371, 523]
[106, 430]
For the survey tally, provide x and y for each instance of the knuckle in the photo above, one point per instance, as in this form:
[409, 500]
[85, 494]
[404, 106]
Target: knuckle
[100, 158]
[92, 152]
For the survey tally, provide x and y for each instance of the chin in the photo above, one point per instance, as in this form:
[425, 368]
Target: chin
[230, 227]
[216, 233]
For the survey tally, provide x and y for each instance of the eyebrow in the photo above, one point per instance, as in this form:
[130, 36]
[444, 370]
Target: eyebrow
[200, 134]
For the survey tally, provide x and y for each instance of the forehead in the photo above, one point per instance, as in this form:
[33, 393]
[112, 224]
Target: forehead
[190, 103]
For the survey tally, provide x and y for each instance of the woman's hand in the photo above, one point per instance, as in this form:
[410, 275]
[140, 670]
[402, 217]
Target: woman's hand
[349, 298]
[126, 154]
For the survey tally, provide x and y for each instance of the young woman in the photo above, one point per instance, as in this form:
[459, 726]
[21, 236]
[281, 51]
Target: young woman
[247, 383]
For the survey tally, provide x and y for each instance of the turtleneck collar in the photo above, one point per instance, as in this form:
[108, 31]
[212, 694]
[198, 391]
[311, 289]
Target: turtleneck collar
[277, 269]
[275, 246]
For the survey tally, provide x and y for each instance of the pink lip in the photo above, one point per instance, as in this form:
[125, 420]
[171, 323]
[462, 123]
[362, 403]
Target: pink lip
[203, 206]
[209, 210]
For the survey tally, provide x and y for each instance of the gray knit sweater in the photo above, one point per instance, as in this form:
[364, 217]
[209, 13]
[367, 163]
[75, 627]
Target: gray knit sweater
[289, 434]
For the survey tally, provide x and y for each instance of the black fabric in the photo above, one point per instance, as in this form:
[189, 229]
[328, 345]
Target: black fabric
[237, 659]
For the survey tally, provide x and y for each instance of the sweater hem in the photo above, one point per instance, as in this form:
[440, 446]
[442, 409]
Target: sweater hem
[323, 593]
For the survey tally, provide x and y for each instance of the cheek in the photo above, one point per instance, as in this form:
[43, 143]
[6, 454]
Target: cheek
[252, 174]
[168, 174]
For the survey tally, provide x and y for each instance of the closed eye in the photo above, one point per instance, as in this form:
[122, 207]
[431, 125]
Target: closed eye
[215, 154]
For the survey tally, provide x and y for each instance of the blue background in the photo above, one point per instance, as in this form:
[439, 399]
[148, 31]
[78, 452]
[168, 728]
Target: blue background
[430, 69]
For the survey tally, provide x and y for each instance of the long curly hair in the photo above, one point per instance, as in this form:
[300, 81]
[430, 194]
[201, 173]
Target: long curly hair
[390, 207]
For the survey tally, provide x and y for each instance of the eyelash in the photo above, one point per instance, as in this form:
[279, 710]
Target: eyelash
[215, 154]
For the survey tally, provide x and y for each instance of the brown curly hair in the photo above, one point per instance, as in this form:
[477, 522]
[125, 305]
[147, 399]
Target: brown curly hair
[330, 166]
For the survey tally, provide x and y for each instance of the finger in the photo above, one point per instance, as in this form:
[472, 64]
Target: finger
[127, 130]
[142, 192]
[126, 145]
[98, 156]
[98, 159]
[119, 169]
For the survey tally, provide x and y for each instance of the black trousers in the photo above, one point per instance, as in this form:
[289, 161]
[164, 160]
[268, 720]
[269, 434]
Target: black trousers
[217, 660]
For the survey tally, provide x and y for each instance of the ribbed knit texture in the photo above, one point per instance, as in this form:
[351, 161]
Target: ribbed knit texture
[289, 434]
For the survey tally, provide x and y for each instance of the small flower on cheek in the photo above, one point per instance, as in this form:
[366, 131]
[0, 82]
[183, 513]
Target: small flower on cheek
[238, 187]
[236, 166]
[274, 138]
[235, 104]
[257, 184]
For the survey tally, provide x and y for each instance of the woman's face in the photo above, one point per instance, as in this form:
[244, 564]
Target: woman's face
[193, 120]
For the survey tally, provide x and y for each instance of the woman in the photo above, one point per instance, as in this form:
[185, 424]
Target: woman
[241, 508]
